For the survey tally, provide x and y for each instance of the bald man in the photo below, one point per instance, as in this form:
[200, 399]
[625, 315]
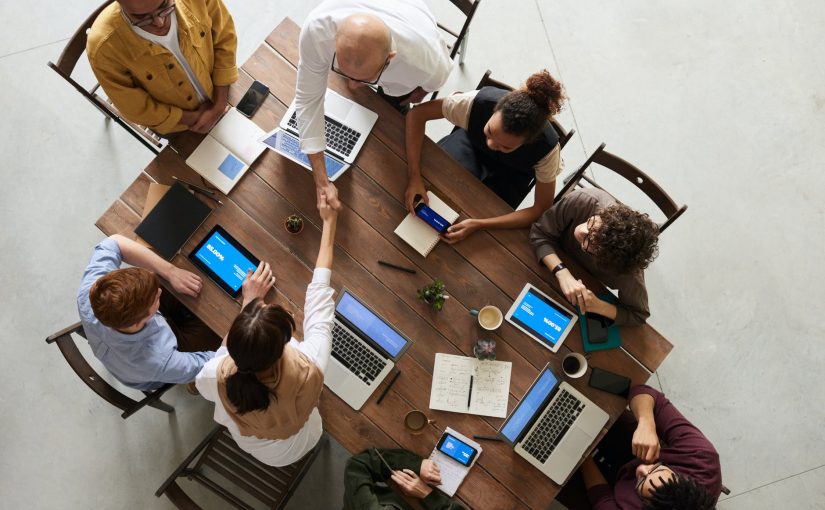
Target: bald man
[394, 44]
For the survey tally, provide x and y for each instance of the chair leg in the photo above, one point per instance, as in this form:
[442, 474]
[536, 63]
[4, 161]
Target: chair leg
[152, 400]
[462, 49]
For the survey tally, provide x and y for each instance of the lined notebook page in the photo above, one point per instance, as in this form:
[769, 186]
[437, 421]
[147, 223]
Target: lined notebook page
[417, 233]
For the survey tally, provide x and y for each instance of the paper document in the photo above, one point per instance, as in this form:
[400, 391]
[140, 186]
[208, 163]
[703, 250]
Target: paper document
[451, 390]
[227, 152]
[417, 233]
[453, 473]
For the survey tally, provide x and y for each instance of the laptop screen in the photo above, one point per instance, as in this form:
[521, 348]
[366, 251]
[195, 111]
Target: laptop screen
[531, 404]
[370, 324]
[542, 317]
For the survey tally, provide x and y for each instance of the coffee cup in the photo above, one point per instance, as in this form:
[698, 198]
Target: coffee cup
[574, 365]
[416, 421]
[489, 317]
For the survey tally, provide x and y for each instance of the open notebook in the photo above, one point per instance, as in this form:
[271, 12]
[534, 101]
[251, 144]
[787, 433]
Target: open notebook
[224, 156]
[417, 233]
[463, 384]
[453, 473]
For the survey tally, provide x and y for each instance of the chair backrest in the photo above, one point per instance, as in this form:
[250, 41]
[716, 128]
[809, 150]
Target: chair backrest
[66, 343]
[489, 81]
[639, 179]
[65, 66]
[468, 8]
[220, 465]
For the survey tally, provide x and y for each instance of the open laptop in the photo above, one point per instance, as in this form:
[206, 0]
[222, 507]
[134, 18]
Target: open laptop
[347, 125]
[553, 426]
[364, 350]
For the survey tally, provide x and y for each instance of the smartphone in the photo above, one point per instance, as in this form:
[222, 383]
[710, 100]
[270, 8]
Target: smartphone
[456, 449]
[431, 217]
[597, 328]
[253, 99]
[609, 382]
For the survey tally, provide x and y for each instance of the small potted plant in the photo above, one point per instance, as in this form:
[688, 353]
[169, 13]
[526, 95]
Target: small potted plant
[433, 294]
[294, 224]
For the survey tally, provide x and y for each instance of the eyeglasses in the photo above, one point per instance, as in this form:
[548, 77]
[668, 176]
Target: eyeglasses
[591, 231]
[335, 69]
[656, 467]
[160, 13]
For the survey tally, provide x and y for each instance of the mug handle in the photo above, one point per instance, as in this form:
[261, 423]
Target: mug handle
[473, 312]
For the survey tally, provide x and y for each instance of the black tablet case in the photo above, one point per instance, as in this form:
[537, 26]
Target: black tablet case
[173, 220]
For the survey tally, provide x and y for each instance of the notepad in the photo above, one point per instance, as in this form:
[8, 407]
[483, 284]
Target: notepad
[453, 473]
[418, 234]
[451, 385]
[227, 152]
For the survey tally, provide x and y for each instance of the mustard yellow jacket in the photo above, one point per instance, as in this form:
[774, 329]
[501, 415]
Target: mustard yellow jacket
[145, 81]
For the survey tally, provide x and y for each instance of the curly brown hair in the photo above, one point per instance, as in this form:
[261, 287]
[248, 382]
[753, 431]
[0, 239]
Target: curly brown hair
[626, 241]
[525, 110]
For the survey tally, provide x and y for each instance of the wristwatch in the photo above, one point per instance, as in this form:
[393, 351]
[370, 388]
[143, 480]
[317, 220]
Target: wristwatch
[558, 268]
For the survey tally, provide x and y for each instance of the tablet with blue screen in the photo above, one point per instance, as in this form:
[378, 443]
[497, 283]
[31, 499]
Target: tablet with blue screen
[541, 317]
[224, 260]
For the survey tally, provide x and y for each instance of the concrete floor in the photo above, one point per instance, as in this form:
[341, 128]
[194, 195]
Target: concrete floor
[722, 102]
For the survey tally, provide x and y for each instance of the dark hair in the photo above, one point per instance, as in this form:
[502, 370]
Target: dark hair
[123, 297]
[626, 241]
[255, 342]
[680, 493]
[524, 111]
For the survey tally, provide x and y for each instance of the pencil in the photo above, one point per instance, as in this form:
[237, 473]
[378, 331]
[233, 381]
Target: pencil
[405, 269]
[194, 186]
[487, 438]
[387, 389]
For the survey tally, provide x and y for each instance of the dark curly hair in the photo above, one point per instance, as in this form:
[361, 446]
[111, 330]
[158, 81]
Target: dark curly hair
[680, 493]
[525, 110]
[626, 241]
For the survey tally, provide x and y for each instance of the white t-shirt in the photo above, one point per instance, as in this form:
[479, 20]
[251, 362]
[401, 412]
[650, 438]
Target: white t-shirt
[171, 43]
[319, 312]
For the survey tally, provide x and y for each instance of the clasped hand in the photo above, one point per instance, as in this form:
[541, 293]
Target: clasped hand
[414, 486]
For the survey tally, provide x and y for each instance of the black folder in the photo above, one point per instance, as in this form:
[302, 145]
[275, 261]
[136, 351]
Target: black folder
[173, 220]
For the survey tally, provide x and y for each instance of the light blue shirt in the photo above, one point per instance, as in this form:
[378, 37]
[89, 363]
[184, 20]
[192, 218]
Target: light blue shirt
[143, 360]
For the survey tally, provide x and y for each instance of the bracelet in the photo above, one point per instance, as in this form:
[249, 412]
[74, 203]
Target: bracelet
[558, 268]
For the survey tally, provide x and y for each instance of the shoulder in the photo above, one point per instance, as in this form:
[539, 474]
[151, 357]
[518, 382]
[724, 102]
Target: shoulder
[108, 22]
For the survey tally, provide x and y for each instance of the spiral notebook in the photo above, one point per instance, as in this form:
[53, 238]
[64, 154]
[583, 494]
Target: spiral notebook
[418, 234]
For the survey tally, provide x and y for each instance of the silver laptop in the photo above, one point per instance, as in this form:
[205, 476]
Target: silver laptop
[347, 125]
[364, 350]
[553, 426]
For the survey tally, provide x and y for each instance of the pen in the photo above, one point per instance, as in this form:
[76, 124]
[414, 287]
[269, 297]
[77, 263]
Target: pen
[194, 186]
[405, 269]
[387, 389]
[470, 395]
[487, 438]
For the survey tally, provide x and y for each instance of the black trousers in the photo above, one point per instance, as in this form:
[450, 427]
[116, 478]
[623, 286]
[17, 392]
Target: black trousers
[192, 334]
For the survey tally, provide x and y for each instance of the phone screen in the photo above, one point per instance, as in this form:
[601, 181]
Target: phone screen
[431, 217]
[253, 98]
[456, 449]
[609, 382]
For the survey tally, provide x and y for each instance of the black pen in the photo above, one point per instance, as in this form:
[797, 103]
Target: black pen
[487, 438]
[387, 389]
[470, 395]
[194, 186]
[405, 269]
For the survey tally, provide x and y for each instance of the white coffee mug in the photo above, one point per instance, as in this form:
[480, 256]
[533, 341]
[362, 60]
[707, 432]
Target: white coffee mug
[489, 317]
[574, 365]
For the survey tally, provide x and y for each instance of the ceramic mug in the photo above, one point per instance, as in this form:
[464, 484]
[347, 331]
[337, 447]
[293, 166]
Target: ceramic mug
[574, 365]
[489, 317]
[416, 421]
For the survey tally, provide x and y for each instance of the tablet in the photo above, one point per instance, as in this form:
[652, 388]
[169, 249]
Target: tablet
[224, 260]
[541, 317]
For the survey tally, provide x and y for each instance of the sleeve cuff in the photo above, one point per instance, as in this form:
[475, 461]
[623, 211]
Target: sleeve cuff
[322, 275]
[111, 245]
[313, 145]
[544, 250]
[172, 122]
[221, 77]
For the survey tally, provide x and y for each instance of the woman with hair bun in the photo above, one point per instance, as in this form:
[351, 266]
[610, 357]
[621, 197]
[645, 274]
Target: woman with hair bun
[504, 138]
[265, 383]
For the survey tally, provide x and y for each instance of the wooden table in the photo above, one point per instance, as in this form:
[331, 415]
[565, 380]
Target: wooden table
[486, 268]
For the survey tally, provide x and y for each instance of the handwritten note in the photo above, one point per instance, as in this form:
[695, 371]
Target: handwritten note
[451, 385]
[453, 473]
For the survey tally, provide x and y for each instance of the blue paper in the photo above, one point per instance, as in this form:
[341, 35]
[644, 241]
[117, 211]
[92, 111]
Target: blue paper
[231, 166]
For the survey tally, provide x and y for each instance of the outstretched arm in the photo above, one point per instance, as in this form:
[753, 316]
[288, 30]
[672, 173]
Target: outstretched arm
[136, 254]
[416, 120]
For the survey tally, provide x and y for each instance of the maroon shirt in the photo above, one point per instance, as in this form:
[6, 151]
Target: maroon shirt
[684, 449]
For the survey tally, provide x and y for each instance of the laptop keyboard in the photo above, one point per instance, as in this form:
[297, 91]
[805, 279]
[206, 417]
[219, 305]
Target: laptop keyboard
[354, 355]
[340, 138]
[290, 145]
[552, 426]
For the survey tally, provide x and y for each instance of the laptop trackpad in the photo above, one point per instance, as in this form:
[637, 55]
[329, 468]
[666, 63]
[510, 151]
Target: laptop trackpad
[575, 442]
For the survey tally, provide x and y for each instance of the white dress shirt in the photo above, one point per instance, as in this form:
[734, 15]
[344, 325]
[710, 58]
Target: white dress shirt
[422, 58]
[319, 312]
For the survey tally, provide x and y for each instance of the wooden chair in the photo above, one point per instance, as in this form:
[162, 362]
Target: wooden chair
[65, 66]
[641, 180]
[65, 341]
[221, 466]
[468, 9]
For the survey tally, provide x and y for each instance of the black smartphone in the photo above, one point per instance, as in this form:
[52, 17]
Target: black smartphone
[456, 449]
[431, 217]
[253, 99]
[597, 328]
[609, 382]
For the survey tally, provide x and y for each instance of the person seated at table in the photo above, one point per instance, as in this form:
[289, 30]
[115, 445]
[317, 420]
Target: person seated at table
[266, 384]
[366, 476]
[504, 138]
[143, 336]
[165, 64]
[656, 459]
[394, 44]
[609, 240]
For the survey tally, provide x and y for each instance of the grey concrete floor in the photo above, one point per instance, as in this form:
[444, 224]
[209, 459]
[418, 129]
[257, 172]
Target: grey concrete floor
[722, 102]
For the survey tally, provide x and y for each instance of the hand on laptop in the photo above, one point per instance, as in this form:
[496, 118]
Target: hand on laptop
[184, 282]
[410, 484]
[645, 442]
[257, 284]
[430, 472]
